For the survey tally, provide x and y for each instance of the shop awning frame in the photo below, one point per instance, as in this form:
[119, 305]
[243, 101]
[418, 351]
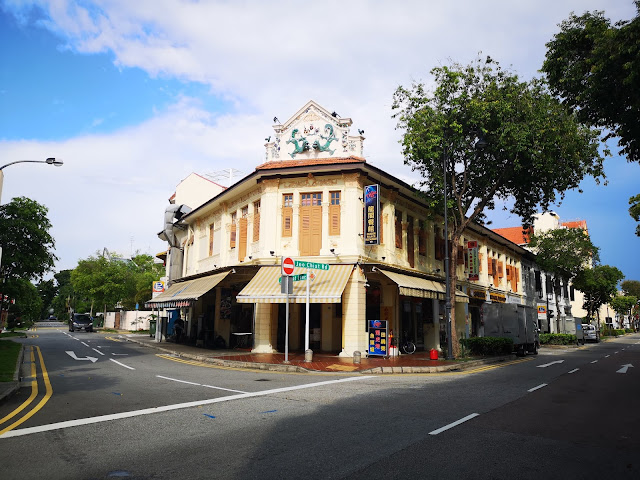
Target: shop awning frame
[326, 287]
[419, 287]
[184, 294]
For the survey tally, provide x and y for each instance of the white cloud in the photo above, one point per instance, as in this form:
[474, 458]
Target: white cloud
[268, 59]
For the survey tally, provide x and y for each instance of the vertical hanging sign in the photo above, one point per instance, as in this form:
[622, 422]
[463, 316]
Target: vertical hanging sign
[474, 263]
[371, 215]
[378, 338]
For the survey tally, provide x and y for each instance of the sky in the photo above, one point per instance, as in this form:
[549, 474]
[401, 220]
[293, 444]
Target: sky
[135, 96]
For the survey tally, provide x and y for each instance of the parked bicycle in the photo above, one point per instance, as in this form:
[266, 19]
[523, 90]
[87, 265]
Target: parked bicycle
[408, 346]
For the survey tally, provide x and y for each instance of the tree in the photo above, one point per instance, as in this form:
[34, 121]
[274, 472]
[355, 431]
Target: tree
[631, 288]
[563, 253]
[599, 285]
[27, 246]
[112, 280]
[47, 290]
[634, 211]
[623, 304]
[593, 67]
[535, 149]
[27, 304]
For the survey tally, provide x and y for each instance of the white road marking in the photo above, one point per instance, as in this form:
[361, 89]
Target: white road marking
[114, 354]
[607, 356]
[595, 361]
[615, 353]
[85, 344]
[200, 384]
[624, 368]
[536, 388]
[549, 364]
[454, 424]
[573, 371]
[122, 364]
[167, 408]
[98, 351]
[72, 354]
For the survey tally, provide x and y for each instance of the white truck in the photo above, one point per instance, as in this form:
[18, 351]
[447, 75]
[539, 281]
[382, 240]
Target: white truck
[516, 322]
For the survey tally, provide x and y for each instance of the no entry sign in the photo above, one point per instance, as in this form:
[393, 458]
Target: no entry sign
[287, 266]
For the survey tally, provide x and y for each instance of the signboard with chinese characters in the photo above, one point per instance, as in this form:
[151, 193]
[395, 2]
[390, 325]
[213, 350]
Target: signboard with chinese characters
[371, 215]
[378, 338]
[474, 264]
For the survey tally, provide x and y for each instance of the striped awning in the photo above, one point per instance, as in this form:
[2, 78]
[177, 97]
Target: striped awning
[183, 294]
[421, 287]
[326, 286]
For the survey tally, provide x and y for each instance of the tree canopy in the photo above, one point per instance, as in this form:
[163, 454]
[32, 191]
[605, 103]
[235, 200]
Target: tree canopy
[634, 211]
[27, 246]
[599, 285]
[114, 280]
[594, 66]
[535, 149]
[623, 304]
[563, 252]
[631, 287]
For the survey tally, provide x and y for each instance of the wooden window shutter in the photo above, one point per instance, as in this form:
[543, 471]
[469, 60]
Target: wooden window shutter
[516, 277]
[422, 242]
[232, 236]
[316, 230]
[460, 256]
[490, 266]
[500, 269]
[242, 240]
[496, 280]
[334, 219]
[398, 231]
[256, 227]
[304, 238]
[479, 262]
[410, 244]
[287, 220]
[508, 268]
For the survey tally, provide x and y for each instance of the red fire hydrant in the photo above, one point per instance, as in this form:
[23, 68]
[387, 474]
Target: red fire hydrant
[433, 354]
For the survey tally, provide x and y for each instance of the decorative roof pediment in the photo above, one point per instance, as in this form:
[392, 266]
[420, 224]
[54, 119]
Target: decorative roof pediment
[312, 133]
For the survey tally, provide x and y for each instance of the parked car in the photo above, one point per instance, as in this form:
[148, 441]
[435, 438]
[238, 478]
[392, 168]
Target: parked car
[590, 332]
[81, 321]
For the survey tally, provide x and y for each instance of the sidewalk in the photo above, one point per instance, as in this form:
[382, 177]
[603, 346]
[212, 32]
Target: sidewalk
[239, 358]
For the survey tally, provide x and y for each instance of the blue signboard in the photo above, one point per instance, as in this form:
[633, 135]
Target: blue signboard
[371, 215]
[378, 338]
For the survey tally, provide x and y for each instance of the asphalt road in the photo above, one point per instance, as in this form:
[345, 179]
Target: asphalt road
[561, 414]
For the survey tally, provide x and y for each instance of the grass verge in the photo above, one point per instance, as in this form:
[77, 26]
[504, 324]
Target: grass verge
[9, 352]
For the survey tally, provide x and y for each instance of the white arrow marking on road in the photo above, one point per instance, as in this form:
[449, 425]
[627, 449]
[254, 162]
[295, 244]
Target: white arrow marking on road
[624, 368]
[549, 364]
[73, 355]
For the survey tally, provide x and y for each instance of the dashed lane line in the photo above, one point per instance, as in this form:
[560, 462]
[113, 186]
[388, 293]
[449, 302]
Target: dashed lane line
[454, 424]
[200, 384]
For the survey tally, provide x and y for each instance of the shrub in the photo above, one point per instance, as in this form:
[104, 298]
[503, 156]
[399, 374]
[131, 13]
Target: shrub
[628, 330]
[557, 339]
[487, 345]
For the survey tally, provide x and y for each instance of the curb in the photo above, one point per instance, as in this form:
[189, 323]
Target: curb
[297, 369]
[13, 386]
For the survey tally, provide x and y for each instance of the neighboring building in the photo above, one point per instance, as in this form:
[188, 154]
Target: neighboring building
[556, 318]
[307, 202]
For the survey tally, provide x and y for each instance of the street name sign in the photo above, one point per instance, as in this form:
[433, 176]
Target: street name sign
[312, 265]
[295, 278]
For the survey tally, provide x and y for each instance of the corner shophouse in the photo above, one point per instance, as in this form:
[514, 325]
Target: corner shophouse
[306, 202]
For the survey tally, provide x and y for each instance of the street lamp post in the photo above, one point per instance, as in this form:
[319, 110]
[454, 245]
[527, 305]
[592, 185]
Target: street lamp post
[49, 161]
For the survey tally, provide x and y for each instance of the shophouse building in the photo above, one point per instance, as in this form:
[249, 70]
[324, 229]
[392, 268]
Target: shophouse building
[312, 200]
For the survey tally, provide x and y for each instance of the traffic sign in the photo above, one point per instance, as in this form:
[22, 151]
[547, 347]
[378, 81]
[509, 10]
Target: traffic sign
[287, 266]
[313, 265]
[302, 276]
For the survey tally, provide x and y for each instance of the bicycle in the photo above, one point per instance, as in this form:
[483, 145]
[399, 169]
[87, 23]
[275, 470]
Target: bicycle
[408, 346]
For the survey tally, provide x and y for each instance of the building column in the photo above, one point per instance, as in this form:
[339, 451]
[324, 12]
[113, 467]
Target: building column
[354, 305]
[262, 328]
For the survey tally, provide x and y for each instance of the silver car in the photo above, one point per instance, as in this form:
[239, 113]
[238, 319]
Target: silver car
[590, 332]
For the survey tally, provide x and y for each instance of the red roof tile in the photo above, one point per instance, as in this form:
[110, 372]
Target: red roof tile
[576, 224]
[309, 162]
[517, 235]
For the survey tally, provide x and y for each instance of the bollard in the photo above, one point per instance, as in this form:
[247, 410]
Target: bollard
[356, 356]
[308, 355]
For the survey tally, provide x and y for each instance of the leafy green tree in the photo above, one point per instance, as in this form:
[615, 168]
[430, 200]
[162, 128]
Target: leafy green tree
[634, 211]
[535, 150]
[623, 304]
[27, 246]
[599, 285]
[47, 290]
[28, 303]
[593, 65]
[631, 288]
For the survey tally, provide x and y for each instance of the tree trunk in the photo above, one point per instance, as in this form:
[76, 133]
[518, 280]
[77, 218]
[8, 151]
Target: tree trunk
[453, 264]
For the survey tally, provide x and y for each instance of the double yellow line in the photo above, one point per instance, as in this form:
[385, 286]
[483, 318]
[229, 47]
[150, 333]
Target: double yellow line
[32, 397]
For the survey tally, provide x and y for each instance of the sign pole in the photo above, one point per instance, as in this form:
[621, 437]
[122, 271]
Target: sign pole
[286, 328]
[306, 324]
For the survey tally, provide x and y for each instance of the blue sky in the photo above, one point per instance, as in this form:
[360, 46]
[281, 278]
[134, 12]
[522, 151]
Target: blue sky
[134, 96]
